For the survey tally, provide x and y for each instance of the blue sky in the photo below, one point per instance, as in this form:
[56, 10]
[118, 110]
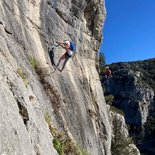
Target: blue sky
[129, 30]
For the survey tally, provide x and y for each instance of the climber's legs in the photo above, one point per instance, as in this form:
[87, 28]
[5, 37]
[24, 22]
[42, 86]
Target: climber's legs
[65, 56]
[61, 58]
[64, 64]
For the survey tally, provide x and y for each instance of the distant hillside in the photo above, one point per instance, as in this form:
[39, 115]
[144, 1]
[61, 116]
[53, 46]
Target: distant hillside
[146, 67]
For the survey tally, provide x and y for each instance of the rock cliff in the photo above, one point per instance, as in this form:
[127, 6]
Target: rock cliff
[133, 88]
[121, 142]
[37, 102]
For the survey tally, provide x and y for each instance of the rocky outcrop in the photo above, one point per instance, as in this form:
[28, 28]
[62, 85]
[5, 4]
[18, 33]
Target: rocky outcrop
[121, 142]
[31, 89]
[133, 88]
[131, 95]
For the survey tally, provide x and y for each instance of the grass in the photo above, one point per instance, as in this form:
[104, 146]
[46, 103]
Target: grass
[58, 146]
[33, 62]
[23, 76]
[47, 118]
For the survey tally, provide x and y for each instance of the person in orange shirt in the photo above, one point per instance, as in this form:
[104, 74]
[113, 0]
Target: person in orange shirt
[107, 73]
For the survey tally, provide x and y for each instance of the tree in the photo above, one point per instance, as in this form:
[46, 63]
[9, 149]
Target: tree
[102, 61]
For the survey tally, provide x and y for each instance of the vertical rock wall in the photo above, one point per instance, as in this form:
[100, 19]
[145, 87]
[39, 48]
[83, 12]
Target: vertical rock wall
[121, 142]
[73, 98]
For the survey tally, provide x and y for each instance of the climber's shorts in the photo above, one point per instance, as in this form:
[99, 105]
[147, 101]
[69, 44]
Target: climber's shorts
[67, 56]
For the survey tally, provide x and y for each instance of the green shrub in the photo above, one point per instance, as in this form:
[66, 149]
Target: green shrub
[58, 146]
[102, 61]
[114, 109]
[109, 99]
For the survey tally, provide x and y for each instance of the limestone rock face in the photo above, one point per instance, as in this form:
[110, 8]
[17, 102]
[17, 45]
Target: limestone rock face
[121, 142]
[73, 98]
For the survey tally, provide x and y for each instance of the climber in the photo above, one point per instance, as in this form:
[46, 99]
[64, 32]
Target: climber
[69, 46]
[107, 72]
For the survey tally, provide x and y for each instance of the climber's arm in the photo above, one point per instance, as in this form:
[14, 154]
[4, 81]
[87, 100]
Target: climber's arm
[62, 44]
